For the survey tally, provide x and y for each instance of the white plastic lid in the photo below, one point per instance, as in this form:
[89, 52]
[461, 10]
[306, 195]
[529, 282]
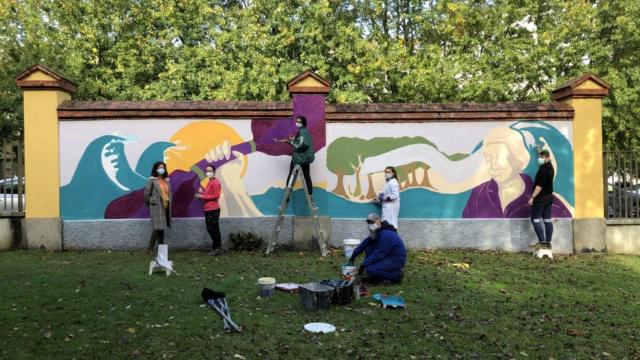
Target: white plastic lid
[267, 281]
[319, 328]
[351, 242]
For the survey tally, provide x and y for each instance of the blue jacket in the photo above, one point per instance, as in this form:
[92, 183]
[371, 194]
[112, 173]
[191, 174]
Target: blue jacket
[384, 256]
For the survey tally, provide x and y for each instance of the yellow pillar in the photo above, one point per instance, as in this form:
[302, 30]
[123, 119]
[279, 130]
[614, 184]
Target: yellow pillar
[585, 94]
[43, 90]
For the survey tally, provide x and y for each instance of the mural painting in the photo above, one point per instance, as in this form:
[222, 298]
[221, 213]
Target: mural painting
[446, 170]
[102, 182]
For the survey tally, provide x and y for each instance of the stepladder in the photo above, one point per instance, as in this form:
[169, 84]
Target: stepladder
[313, 210]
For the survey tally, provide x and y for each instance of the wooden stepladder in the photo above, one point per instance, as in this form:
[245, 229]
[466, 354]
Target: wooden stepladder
[297, 170]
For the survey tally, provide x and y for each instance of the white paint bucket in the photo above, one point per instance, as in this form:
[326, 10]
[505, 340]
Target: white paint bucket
[349, 246]
[267, 286]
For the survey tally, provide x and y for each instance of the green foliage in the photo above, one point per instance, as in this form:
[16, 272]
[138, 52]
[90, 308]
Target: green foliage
[371, 51]
[245, 241]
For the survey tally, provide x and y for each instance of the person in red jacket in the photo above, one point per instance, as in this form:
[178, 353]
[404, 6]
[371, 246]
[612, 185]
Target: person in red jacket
[210, 197]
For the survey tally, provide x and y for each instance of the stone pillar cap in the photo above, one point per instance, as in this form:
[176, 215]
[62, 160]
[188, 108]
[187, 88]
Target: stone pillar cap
[40, 77]
[584, 86]
[308, 82]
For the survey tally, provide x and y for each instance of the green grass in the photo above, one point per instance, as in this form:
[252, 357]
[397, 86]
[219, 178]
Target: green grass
[88, 305]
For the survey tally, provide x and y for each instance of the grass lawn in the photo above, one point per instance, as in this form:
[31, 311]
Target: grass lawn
[87, 305]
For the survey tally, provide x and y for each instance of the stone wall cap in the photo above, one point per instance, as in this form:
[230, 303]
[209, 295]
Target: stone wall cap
[60, 81]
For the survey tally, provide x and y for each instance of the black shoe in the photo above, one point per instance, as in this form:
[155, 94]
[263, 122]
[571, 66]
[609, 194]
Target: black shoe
[546, 246]
[401, 277]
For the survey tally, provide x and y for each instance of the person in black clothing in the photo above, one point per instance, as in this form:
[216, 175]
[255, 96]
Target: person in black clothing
[541, 201]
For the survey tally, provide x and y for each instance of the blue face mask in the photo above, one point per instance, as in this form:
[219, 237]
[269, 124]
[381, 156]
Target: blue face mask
[541, 161]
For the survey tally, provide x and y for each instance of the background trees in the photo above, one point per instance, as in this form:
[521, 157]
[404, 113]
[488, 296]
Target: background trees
[371, 50]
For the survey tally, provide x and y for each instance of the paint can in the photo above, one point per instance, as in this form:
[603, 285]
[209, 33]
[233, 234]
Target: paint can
[267, 286]
[349, 271]
[349, 246]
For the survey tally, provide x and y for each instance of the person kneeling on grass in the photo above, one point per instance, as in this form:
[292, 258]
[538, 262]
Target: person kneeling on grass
[385, 254]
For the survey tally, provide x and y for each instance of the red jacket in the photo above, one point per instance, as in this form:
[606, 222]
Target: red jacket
[211, 195]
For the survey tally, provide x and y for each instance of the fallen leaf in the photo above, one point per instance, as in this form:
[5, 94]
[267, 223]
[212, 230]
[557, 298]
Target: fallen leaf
[131, 330]
[47, 335]
[238, 356]
[574, 332]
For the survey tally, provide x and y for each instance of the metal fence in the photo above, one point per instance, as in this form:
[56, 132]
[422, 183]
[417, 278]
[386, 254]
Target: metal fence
[12, 199]
[622, 185]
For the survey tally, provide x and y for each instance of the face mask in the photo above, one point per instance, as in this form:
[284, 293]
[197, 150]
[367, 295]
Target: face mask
[373, 227]
[541, 161]
[298, 125]
[160, 171]
[210, 174]
[388, 176]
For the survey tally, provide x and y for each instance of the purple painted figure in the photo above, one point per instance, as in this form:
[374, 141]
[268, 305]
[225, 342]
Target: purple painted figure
[507, 193]
[484, 202]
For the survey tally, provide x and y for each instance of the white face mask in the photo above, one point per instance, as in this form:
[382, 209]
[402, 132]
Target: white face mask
[373, 227]
[298, 125]
[160, 171]
[210, 174]
[388, 176]
[541, 161]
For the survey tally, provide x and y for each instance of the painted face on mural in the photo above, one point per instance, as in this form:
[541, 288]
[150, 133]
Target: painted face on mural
[499, 162]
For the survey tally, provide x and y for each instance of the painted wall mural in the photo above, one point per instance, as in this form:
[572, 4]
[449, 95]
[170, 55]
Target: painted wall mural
[448, 170]
[103, 171]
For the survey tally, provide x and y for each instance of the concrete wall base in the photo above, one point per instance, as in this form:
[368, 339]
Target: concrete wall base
[482, 234]
[6, 234]
[185, 234]
[304, 232]
[42, 233]
[492, 234]
[589, 235]
[623, 237]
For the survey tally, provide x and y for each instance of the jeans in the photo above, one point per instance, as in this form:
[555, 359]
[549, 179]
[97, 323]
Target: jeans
[306, 174]
[212, 219]
[542, 210]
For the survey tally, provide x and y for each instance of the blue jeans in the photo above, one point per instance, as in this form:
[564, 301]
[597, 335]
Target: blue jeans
[538, 211]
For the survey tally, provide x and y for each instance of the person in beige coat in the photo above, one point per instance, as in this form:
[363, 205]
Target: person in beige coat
[157, 196]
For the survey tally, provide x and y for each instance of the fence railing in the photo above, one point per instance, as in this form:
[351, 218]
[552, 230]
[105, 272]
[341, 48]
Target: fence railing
[621, 184]
[12, 199]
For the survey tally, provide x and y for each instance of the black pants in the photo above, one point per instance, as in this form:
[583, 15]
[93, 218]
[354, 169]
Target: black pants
[212, 219]
[156, 235]
[542, 210]
[306, 174]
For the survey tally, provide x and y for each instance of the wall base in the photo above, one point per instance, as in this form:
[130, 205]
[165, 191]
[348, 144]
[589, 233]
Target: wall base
[492, 234]
[6, 234]
[42, 233]
[304, 232]
[187, 234]
[481, 234]
[623, 237]
[589, 235]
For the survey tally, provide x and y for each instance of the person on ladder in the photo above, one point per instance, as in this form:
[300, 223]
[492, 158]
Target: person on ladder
[302, 151]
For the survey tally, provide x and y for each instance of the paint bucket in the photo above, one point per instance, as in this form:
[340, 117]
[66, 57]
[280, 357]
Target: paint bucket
[267, 286]
[349, 271]
[316, 296]
[342, 291]
[349, 246]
